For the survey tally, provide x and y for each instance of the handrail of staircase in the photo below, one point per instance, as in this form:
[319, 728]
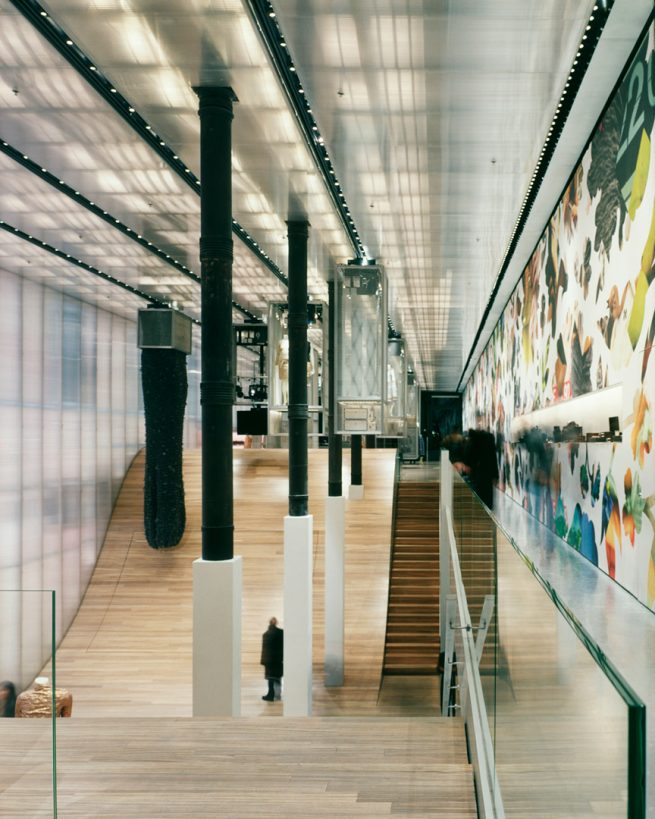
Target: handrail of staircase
[474, 712]
[392, 546]
[636, 720]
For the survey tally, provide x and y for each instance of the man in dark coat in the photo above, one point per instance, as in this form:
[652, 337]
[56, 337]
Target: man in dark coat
[272, 659]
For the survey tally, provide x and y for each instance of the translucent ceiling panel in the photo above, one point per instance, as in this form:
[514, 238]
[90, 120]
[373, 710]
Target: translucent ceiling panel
[59, 121]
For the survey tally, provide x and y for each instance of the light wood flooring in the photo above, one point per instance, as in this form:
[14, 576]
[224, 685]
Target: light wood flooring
[128, 652]
[127, 657]
[240, 768]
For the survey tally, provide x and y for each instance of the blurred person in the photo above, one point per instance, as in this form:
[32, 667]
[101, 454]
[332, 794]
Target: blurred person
[272, 660]
[480, 462]
[7, 699]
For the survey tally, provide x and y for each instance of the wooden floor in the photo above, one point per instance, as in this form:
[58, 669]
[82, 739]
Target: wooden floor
[127, 657]
[240, 768]
[128, 652]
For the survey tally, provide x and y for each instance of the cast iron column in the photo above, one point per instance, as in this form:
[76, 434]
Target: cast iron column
[356, 460]
[217, 379]
[335, 490]
[298, 232]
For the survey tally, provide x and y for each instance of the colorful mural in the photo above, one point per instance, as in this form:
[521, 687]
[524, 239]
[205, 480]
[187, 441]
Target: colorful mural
[582, 318]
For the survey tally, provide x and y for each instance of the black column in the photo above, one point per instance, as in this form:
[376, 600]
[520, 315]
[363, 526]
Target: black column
[356, 460]
[217, 379]
[335, 490]
[298, 414]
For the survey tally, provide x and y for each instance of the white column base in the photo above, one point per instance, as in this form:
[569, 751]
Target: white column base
[298, 559]
[217, 638]
[335, 527]
[355, 492]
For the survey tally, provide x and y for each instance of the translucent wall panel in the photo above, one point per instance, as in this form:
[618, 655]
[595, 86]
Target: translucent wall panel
[192, 438]
[69, 426]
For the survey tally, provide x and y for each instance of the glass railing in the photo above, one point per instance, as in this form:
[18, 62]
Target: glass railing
[566, 732]
[28, 781]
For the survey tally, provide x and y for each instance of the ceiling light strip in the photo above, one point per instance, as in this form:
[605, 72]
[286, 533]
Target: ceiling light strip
[73, 54]
[265, 19]
[577, 72]
[61, 186]
[28, 237]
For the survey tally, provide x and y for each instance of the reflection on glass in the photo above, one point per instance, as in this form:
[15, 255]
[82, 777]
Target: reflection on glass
[396, 390]
[557, 712]
[28, 641]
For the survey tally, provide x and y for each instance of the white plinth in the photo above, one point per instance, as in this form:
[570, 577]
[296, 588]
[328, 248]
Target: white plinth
[217, 638]
[335, 525]
[298, 557]
[355, 492]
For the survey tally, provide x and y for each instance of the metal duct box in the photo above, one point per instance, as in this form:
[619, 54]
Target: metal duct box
[164, 329]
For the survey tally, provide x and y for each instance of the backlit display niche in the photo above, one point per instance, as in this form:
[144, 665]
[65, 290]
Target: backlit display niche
[395, 394]
[408, 446]
[360, 354]
[278, 367]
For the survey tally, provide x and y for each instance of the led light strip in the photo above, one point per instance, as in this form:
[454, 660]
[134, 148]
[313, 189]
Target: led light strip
[73, 54]
[265, 18]
[75, 195]
[28, 237]
[585, 52]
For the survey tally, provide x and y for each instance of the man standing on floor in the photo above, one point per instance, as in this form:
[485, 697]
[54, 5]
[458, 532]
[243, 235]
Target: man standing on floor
[272, 659]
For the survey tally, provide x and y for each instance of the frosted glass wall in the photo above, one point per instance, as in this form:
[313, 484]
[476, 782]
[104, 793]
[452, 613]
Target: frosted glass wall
[69, 427]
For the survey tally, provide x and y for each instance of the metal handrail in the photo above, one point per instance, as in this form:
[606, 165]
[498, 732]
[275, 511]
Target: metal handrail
[474, 712]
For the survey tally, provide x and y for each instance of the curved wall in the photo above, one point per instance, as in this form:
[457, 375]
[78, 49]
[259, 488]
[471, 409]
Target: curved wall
[70, 424]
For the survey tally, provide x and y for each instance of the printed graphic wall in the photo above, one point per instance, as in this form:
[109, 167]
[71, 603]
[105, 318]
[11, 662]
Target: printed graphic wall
[582, 320]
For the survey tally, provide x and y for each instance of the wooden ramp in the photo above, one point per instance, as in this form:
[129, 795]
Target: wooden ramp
[412, 635]
[240, 768]
[128, 651]
[127, 657]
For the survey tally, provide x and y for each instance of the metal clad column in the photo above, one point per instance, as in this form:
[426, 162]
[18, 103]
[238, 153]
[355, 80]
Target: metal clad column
[334, 526]
[217, 575]
[298, 525]
[298, 413]
[217, 380]
[356, 487]
[335, 448]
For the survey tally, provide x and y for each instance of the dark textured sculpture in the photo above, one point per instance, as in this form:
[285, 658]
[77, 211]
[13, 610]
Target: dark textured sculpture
[164, 380]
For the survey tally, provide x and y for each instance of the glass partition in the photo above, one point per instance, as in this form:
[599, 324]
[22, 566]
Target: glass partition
[566, 730]
[28, 732]
[395, 392]
[408, 446]
[278, 367]
[360, 349]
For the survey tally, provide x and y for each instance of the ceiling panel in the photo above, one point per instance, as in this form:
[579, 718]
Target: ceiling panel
[433, 114]
[31, 262]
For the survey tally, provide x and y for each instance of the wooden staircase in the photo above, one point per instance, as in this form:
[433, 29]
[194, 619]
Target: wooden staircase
[412, 635]
[474, 532]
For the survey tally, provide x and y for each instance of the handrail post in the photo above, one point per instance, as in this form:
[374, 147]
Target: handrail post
[445, 502]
